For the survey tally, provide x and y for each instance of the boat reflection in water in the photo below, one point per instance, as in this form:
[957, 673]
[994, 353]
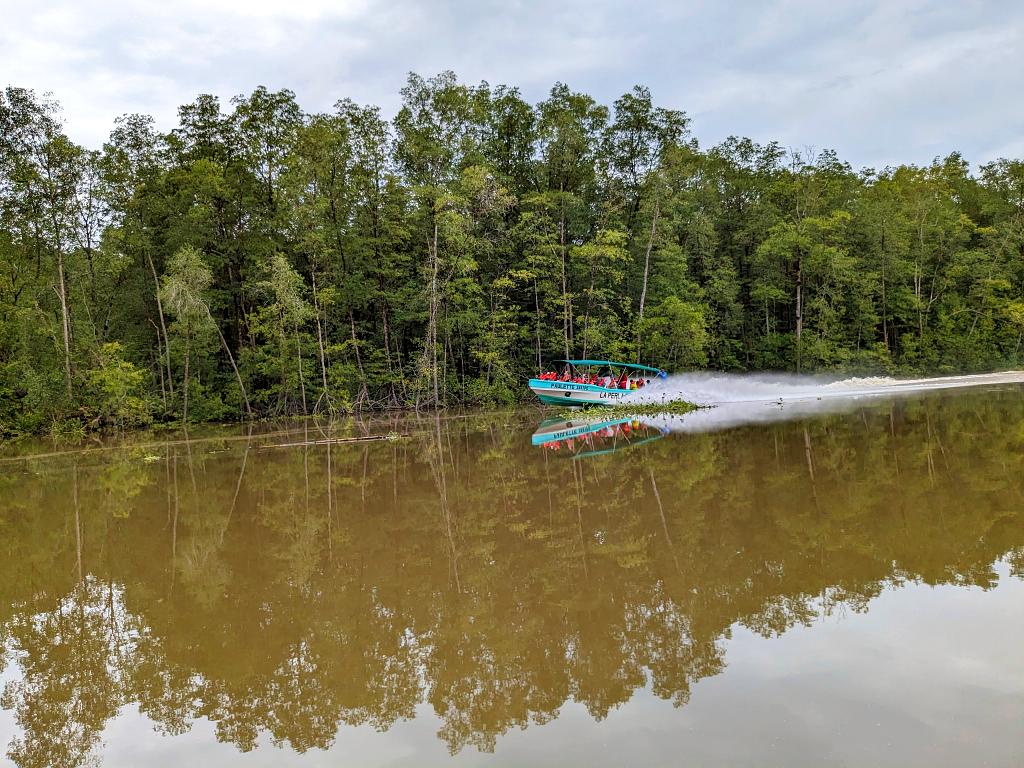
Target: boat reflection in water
[580, 438]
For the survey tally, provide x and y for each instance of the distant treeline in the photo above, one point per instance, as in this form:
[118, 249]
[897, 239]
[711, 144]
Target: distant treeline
[267, 261]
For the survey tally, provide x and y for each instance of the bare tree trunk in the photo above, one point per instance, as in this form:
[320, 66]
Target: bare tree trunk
[160, 362]
[590, 300]
[430, 345]
[536, 304]
[433, 319]
[387, 352]
[284, 394]
[885, 313]
[320, 342]
[566, 305]
[799, 312]
[364, 393]
[885, 304]
[647, 270]
[302, 380]
[163, 323]
[231, 358]
[918, 279]
[62, 294]
[184, 416]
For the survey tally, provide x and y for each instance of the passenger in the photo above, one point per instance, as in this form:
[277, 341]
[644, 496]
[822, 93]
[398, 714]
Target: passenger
[624, 381]
[565, 374]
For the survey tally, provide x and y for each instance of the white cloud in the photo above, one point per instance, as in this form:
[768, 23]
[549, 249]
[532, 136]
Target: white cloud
[881, 82]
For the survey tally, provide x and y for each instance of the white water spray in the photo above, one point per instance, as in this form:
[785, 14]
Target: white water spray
[739, 399]
[726, 388]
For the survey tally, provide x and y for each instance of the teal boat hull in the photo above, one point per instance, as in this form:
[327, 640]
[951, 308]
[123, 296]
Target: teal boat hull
[569, 393]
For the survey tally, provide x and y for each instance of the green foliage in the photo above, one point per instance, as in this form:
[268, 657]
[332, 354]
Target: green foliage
[186, 280]
[675, 335]
[118, 388]
[619, 410]
[264, 261]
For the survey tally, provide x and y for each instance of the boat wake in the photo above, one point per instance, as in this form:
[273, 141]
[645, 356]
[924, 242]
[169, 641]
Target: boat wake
[739, 399]
[724, 388]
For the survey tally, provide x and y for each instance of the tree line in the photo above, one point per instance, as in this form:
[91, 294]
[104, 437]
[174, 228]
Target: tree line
[259, 260]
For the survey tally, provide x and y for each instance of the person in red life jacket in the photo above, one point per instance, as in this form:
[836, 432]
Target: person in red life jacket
[624, 381]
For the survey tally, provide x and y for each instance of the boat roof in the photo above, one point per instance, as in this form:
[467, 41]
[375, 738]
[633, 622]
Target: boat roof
[634, 366]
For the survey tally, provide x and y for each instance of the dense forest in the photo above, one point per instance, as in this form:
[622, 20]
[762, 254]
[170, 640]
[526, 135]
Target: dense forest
[262, 261]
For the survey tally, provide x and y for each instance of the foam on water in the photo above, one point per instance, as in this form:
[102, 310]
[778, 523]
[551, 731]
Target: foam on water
[709, 388]
[758, 398]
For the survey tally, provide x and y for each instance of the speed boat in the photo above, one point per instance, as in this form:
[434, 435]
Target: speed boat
[594, 382]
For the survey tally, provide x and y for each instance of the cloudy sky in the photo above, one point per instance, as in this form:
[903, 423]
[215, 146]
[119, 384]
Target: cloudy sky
[881, 81]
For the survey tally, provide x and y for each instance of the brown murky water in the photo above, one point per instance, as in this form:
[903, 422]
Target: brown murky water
[841, 588]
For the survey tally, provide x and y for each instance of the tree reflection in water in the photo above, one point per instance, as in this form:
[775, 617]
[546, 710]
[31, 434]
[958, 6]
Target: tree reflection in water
[295, 591]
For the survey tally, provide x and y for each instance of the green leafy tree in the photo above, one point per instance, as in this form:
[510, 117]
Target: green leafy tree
[119, 387]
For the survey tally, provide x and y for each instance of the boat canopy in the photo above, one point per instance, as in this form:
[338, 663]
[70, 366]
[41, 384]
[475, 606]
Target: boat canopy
[611, 364]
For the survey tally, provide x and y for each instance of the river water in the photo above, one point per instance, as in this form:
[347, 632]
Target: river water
[838, 583]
